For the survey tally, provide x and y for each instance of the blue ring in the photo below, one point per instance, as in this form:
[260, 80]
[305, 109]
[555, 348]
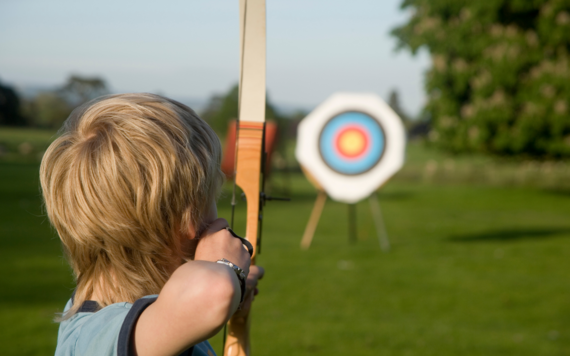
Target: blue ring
[352, 166]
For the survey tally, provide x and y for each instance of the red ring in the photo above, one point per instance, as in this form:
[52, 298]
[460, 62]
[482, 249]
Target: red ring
[362, 130]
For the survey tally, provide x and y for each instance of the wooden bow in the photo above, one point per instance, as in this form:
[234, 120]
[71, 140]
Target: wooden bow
[249, 144]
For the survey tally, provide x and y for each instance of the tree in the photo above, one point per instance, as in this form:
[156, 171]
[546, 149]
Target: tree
[500, 76]
[221, 109]
[394, 103]
[78, 90]
[50, 108]
[10, 107]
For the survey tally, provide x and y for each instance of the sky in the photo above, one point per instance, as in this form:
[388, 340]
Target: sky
[190, 49]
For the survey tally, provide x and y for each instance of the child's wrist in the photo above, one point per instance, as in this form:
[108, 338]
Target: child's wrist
[239, 273]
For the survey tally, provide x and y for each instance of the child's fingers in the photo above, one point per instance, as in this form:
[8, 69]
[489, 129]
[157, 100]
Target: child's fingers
[215, 226]
[257, 272]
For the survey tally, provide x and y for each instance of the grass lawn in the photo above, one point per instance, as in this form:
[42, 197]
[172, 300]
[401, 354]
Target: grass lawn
[474, 270]
[24, 144]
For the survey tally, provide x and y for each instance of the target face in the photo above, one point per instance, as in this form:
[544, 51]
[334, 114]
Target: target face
[352, 143]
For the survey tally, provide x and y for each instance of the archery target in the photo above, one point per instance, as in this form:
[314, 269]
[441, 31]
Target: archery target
[350, 145]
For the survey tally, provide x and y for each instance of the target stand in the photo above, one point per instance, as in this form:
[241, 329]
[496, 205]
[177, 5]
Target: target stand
[352, 225]
[348, 147]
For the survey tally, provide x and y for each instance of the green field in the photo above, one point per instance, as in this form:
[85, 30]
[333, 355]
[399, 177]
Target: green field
[475, 269]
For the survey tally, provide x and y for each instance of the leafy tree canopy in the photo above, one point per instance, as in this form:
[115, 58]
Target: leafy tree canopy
[78, 89]
[500, 76]
[52, 107]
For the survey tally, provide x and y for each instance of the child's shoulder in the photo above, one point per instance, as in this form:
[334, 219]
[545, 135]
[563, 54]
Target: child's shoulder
[96, 331]
[107, 331]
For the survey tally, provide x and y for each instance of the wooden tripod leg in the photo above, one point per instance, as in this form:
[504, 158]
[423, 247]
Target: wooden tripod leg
[379, 222]
[314, 220]
[352, 228]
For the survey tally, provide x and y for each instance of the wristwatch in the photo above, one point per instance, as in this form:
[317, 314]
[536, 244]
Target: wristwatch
[239, 273]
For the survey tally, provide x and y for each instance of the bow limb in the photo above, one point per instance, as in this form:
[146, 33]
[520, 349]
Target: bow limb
[249, 143]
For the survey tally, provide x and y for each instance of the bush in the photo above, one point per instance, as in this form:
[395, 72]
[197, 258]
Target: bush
[500, 79]
[47, 110]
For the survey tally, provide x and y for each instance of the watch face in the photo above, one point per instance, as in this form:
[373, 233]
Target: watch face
[240, 273]
[352, 143]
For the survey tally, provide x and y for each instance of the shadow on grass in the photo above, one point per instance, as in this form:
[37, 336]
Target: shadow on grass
[509, 234]
[398, 195]
[559, 191]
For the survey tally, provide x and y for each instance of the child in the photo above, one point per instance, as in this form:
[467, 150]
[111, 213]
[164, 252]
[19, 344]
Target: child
[131, 187]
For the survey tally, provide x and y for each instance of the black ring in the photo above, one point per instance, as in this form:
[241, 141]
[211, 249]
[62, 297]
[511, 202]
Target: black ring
[246, 243]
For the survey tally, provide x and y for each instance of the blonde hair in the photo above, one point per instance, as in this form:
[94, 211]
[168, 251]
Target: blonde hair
[128, 177]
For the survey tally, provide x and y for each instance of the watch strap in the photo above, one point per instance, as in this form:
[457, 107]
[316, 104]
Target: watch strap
[239, 273]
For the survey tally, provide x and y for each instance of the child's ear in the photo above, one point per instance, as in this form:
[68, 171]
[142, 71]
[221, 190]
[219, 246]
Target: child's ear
[188, 244]
[211, 215]
[192, 233]
[187, 234]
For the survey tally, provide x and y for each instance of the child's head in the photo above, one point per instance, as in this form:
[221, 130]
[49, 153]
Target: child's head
[129, 177]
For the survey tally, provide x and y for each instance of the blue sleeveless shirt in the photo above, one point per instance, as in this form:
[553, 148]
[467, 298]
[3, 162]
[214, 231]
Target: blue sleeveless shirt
[93, 331]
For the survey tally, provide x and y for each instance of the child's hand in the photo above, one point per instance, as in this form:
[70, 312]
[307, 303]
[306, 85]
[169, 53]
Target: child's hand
[217, 242]
[255, 274]
[198, 290]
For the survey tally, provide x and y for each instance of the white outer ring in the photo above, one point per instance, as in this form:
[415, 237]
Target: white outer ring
[351, 188]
